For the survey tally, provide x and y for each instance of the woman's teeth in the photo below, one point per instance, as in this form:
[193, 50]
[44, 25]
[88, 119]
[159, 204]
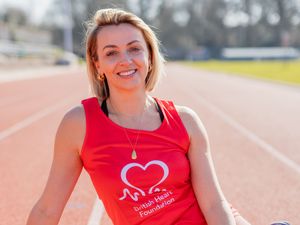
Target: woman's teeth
[127, 73]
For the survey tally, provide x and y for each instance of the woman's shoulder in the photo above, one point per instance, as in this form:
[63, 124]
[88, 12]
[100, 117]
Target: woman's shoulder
[186, 114]
[74, 119]
[71, 130]
[74, 115]
[191, 121]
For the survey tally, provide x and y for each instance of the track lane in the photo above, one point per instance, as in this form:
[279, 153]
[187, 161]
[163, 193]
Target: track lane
[26, 153]
[22, 98]
[260, 186]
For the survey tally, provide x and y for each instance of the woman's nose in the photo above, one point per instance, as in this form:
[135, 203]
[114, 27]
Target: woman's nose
[125, 59]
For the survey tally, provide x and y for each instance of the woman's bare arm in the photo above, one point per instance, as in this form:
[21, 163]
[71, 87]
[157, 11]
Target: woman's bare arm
[65, 170]
[204, 180]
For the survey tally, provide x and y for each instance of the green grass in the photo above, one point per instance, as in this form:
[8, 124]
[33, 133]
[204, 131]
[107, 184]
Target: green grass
[284, 71]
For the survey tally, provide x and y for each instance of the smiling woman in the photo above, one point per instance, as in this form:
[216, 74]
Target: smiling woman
[149, 160]
[145, 43]
[124, 62]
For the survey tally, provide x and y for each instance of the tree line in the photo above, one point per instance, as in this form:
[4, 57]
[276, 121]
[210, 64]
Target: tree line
[184, 26]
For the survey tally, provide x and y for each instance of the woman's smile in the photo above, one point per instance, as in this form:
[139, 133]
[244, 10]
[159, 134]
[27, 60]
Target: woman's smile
[127, 73]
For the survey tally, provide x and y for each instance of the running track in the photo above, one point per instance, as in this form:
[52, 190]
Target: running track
[253, 128]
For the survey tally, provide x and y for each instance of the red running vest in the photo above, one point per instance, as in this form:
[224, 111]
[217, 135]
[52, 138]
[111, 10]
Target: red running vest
[155, 188]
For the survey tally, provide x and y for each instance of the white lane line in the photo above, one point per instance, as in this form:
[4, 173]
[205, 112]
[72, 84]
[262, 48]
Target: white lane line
[33, 73]
[10, 100]
[97, 212]
[251, 135]
[31, 119]
[98, 209]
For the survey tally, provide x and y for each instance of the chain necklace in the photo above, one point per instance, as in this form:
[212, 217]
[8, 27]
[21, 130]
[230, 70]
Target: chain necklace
[133, 147]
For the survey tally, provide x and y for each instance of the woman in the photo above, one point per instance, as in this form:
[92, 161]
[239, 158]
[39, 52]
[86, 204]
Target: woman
[149, 160]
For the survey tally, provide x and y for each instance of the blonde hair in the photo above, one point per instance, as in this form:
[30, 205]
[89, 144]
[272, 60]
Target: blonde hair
[110, 16]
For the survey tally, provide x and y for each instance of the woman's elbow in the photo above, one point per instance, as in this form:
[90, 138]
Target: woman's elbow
[41, 215]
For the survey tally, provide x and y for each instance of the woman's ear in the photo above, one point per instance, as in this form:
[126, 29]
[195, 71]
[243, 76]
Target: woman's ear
[97, 65]
[150, 65]
[150, 59]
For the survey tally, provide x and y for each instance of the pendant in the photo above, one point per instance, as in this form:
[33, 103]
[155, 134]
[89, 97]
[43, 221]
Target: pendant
[133, 154]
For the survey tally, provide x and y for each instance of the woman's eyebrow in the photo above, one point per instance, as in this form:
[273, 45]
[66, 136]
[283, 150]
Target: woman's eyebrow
[132, 42]
[114, 46]
[109, 46]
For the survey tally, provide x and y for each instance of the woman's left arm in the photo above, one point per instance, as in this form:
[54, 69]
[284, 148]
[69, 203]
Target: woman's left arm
[203, 176]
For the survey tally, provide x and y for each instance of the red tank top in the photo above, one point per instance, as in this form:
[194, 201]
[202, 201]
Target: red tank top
[155, 188]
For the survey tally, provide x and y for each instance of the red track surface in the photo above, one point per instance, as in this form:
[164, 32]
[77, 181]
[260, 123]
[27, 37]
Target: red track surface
[243, 118]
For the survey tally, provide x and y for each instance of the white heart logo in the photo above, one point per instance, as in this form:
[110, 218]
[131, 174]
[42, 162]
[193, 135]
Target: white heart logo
[150, 191]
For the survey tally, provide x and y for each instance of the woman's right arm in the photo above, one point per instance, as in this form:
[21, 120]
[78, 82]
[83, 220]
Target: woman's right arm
[65, 170]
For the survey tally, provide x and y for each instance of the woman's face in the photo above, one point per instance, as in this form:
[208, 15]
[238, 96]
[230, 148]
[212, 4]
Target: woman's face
[123, 57]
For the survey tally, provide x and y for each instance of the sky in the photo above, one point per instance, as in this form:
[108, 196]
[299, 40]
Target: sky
[35, 9]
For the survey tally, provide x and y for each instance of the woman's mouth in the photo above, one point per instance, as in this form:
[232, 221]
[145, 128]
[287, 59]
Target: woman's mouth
[127, 73]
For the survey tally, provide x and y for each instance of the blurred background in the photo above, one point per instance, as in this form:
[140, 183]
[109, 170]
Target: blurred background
[42, 32]
[253, 125]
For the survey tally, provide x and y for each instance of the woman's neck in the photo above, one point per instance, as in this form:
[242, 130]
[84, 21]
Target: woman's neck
[128, 105]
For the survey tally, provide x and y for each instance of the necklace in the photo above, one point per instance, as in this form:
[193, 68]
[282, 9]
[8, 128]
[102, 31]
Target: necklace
[133, 146]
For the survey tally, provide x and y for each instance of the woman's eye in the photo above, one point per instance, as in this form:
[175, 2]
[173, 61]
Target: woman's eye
[134, 49]
[111, 53]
